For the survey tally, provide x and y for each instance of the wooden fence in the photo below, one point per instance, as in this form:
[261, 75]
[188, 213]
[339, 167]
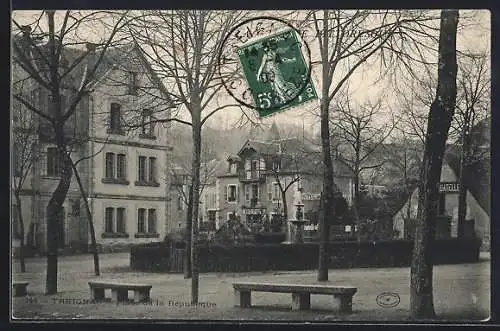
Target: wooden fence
[177, 259]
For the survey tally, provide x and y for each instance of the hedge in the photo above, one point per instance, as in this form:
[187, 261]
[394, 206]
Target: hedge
[264, 257]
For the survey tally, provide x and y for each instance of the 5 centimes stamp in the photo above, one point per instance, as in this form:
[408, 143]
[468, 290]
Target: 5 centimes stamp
[264, 67]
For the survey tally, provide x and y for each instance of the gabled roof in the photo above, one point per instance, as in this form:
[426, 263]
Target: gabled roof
[128, 57]
[262, 147]
[477, 178]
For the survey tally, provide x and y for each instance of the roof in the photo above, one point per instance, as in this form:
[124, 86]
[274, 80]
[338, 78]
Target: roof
[477, 179]
[127, 57]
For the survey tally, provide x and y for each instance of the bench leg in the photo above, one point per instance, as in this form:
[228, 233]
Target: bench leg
[141, 295]
[119, 295]
[96, 293]
[301, 301]
[242, 299]
[20, 290]
[345, 304]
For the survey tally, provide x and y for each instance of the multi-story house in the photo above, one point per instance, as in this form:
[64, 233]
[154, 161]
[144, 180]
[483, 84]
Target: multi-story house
[124, 155]
[255, 179]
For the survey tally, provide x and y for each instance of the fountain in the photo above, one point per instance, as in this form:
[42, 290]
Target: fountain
[295, 226]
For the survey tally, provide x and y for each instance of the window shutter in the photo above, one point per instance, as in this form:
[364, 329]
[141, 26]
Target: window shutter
[226, 194]
[237, 194]
[269, 191]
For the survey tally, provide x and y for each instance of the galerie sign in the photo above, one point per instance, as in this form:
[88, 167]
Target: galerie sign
[311, 196]
[450, 187]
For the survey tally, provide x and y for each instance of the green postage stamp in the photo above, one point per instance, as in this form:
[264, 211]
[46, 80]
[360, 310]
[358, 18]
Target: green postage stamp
[276, 72]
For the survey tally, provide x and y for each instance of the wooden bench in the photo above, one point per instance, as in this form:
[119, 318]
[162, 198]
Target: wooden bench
[20, 288]
[119, 291]
[301, 294]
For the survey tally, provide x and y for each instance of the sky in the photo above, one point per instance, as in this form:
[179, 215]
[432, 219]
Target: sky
[475, 35]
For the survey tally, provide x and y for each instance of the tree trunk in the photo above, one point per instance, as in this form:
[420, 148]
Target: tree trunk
[93, 244]
[53, 229]
[439, 120]
[355, 203]
[328, 184]
[20, 219]
[187, 254]
[462, 194]
[285, 207]
[285, 216]
[196, 123]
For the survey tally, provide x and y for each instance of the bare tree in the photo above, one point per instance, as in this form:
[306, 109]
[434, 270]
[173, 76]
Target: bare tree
[183, 48]
[360, 134]
[439, 121]
[40, 51]
[347, 40]
[472, 107]
[183, 162]
[25, 155]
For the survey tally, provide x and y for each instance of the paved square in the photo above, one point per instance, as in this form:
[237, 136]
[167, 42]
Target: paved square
[461, 292]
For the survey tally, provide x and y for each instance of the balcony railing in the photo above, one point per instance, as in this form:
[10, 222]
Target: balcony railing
[252, 175]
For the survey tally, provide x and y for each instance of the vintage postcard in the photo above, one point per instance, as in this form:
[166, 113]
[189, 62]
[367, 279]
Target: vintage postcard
[278, 165]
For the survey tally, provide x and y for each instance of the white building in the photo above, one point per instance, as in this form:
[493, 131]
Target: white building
[125, 157]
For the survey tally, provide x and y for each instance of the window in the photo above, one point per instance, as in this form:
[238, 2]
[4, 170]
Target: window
[232, 193]
[152, 169]
[110, 165]
[115, 223]
[247, 193]
[147, 172]
[276, 165]
[120, 220]
[211, 216]
[132, 83]
[142, 168]
[121, 166]
[180, 202]
[141, 220]
[276, 191]
[254, 165]
[108, 225]
[115, 117]
[115, 169]
[147, 123]
[255, 191]
[53, 162]
[233, 168]
[151, 221]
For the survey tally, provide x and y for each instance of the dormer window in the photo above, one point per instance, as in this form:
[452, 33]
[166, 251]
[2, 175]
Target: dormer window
[147, 124]
[276, 165]
[233, 168]
[115, 114]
